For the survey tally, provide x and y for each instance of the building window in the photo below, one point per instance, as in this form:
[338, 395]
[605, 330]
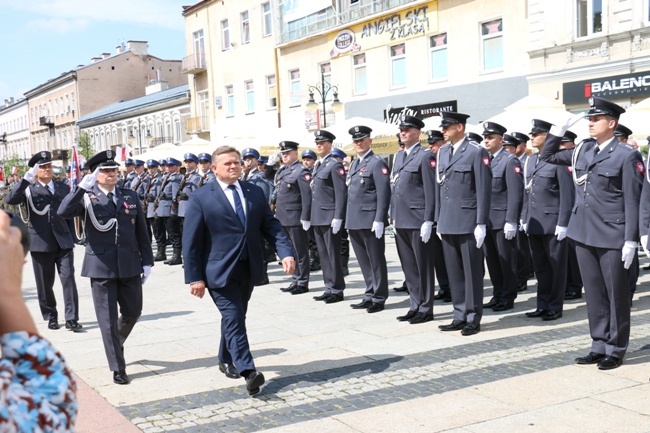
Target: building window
[438, 49]
[294, 83]
[590, 17]
[492, 45]
[199, 49]
[398, 66]
[230, 101]
[245, 28]
[225, 35]
[250, 96]
[360, 77]
[177, 131]
[271, 92]
[267, 19]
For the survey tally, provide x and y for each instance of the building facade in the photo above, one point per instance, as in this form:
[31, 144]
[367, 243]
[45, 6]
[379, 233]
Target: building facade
[14, 131]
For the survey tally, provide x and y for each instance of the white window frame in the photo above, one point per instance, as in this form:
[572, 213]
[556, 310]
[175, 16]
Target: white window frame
[358, 68]
[589, 19]
[267, 19]
[230, 101]
[397, 58]
[271, 92]
[225, 35]
[438, 49]
[294, 88]
[249, 89]
[245, 27]
[199, 48]
[490, 37]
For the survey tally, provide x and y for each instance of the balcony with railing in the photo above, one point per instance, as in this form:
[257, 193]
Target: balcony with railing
[197, 125]
[160, 140]
[194, 63]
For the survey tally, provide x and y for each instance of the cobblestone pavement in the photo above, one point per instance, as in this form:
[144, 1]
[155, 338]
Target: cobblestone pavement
[311, 396]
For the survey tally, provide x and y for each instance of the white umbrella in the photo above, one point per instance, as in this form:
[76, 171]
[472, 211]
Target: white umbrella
[636, 118]
[518, 115]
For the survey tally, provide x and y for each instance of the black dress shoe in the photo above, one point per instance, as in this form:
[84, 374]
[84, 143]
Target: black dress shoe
[299, 290]
[253, 382]
[503, 306]
[362, 305]
[536, 313]
[455, 325]
[551, 315]
[264, 282]
[375, 308]
[53, 324]
[572, 294]
[229, 370]
[471, 329]
[333, 299]
[592, 358]
[288, 289]
[421, 318]
[321, 297]
[491, 304]
[402, 288]
[444, 295]
[407, 316]
[73, 325]
[522, 287]
[610, 362]
[120, 377]
[314, 267]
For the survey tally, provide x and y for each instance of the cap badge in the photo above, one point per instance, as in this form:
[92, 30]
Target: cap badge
[591, 101]
[356, 129]
[109, 154]
[43, 154]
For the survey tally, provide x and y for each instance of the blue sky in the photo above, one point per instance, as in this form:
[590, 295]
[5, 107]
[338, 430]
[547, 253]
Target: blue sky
[41, 39]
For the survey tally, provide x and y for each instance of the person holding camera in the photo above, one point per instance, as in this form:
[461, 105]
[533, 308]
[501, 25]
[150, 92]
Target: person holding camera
[52, 241]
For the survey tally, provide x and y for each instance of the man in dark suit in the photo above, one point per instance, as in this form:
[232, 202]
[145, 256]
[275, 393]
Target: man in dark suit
[547, 209]
[367, 215]
[222, 251]
[605, 225]
[52, 242]
[464, 180]
[500, 247]
[412, 213]
[118, 256]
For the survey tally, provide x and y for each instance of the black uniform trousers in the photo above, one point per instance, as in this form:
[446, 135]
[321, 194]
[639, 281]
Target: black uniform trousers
[501, 259]
[465, 270]
[108, 294]
[232, 303]
[44, 264]
[439, 263]
[369, 252]
[550, 262]
[574, 279]
[524, 261]
[329, 250]
[608, 298]
[173, 227]
[300, 242]
[159, 232]
[415, 257]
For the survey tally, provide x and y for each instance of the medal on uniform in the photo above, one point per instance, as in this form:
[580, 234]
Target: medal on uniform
[126, 211]
[361, 182]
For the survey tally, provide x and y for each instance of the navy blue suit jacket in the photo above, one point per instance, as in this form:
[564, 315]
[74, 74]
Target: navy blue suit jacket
[213, 236]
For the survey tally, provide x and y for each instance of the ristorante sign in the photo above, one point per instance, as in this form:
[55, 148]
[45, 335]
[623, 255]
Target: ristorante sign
[619, 86]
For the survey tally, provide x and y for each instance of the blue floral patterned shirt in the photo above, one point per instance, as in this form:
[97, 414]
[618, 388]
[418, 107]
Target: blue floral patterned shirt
[37, 389]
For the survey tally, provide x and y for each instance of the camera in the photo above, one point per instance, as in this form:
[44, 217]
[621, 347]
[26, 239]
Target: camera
[17, 222]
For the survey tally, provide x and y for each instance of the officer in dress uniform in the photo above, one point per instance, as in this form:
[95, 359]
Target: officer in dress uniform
[549, 199]
[464, 186]
[328, 200]
[169, 212]
[413, 212]
[158, 226]
[293, 210]
[139, 185]
[309, 160]
[605, 225]
[118, 254]
[130, 174]
[622, 133]
[345, 239]
[474, 138]
[500, 247]
[51, 237]
[189, 183]
[205, 170]
[367, 216]
[153, 177]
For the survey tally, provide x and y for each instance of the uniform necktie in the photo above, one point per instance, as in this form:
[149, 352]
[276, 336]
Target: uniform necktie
[451, 152]
[239, 209]
[317, 165]
[111, 202]
[491, 157]
[596, 150]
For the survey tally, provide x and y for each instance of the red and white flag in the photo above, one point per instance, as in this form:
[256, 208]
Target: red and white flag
[2, 174]
[14, 170]
[75, 172]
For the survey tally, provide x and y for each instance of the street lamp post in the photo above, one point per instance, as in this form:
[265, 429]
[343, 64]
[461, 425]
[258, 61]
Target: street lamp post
[323, 89]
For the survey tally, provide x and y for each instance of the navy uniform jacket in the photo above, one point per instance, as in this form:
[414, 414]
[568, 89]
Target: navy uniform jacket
[507, 190]
[293, 194]
[139, 185]
[368, 192]
[192, 181]
[549, 196]
[606, 210]
[156, 182]
[256, 177]
[213, 235]
[464, 190]
[111, 255]
[47, 232]
[168, 195]
[414, 195]
[328, 192]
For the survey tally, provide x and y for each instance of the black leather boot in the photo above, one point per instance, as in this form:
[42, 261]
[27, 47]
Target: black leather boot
[176, 258]
[160, 255]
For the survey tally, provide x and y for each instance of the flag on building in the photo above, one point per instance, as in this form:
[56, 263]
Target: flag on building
[75, 172]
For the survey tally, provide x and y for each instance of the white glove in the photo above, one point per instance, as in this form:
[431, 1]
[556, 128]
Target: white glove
[479, 235]
[510, 230]
[146, 271]
[559, 130]
[522, 226]
[425, 231]
[89, 180]
[627, 255]
[305, 225]
[378, 228]
[336, 225]
[274, 158]
[644, 242]
[31, 174]
[560, 232]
